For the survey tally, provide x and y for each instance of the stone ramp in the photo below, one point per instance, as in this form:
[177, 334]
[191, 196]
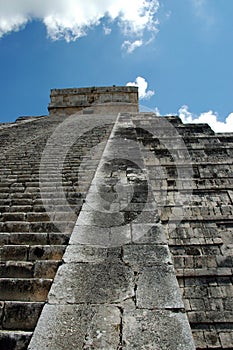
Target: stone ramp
[116, 288]
[36, 222]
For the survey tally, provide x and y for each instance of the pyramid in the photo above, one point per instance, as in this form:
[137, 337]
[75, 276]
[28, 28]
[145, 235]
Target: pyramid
[115, 228]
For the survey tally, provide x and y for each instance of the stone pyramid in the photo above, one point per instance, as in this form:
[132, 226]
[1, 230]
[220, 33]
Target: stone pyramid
[116, 228]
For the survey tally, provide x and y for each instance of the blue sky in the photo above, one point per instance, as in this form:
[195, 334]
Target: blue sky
[182, 49]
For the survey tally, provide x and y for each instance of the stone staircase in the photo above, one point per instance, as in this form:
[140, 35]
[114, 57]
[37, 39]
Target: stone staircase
[201, 245]
[33, 240]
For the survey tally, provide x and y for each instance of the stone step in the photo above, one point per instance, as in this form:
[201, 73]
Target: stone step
[21, 269]
[16, 269]
[29, 217]
[18, 209]
[210, 317]
[37, 227]
[31, 253]
[46, 268]
[18, 289]
[48, 252]
[14, 340]
[33, 238]
[14, 252]
[215, 339]
[205, 272]
[20, 316]
[203, 262]
[52, 227]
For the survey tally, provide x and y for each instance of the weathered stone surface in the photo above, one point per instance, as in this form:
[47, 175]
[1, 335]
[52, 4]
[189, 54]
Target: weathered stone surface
[101, 219]
[79, 327]
[15, 340]
[47, 252]
[90, 254]
[156, 330]
[70, 101]
[146, 255]
[21, 315]
[24, 289]
[16, 269]
[148, 233]
[46, 269]
[100, 236]
[157, 287]
[107, 282]
[9, 252]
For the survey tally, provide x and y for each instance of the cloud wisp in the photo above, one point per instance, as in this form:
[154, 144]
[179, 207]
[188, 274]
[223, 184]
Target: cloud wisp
[71, 19]
[131, 46]
[142, 84]
[209, 117]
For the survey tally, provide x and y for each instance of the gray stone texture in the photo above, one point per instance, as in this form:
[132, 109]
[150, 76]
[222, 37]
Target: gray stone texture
[107, 282]
[156, 330]
[77, 327]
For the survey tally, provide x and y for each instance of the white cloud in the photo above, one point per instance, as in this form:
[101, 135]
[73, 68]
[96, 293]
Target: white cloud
[70, 19]
[107, 30]
[209, 117]
[131, 46]
[142, 84]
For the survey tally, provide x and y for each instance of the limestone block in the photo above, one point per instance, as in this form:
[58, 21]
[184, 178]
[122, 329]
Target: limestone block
[105, 282]
[156, 330]
[157, 287]
[77, 327]
[146, 255]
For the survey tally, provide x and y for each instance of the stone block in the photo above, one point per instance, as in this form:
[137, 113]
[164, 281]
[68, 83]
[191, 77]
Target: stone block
[47, 252]
[35, 290]
[13, 226]
[21, 316]
[101, 236]
[46, 269]
[77, 327]
[13, 252]
[157, 330]
[14, 340]
[138, 256]
[157, 287]
[226, 339]
[14, 269]
[148, 233]
[58, 238]
[89, 254]
[199, 339]
[4, 238]
[105, 282]
[100, 219]
[28, 238]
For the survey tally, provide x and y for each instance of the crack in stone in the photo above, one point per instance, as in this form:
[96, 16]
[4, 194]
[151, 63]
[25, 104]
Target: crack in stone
[120, 345]
[88, 342]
